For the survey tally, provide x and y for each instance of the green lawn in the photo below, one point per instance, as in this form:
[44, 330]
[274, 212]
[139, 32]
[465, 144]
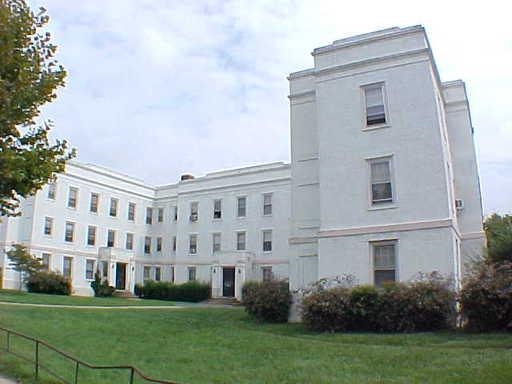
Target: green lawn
[13, 296]
[221, 345]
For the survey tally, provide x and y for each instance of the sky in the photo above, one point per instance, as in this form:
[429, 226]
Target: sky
[160, 88]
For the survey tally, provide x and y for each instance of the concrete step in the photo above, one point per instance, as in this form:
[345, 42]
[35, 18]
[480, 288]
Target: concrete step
[224, 301]
[123, 293]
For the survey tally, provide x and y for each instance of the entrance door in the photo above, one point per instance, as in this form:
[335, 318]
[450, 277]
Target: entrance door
[228, 282]
[120, 276]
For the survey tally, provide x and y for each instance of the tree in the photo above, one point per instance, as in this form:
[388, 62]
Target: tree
[29, 77]
[498, 230]
[23, 262]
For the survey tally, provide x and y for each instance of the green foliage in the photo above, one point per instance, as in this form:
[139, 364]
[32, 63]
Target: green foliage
[192, 291]
[414, 307]
[267, 301]
[486, 298]
[498, 230]
[101, 288]
[22, 261]
[29, 76]
[49, 282]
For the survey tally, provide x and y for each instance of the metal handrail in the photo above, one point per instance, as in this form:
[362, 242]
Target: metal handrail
[134, 371]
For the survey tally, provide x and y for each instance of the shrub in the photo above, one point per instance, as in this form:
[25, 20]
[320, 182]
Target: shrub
[49, 282]
[137, 289]
[419, 306]
[267, 300]
[192, 291]
[101, 288]
[486, 298]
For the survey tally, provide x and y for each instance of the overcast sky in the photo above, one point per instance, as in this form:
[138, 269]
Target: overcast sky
[160, 88]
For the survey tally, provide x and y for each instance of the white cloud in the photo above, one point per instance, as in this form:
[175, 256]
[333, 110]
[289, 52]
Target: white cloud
[157, 88]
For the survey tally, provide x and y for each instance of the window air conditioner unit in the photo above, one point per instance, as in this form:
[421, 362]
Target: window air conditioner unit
[459, 204]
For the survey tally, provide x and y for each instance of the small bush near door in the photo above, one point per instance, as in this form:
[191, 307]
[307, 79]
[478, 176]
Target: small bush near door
[192, 291]
[101, 288]
[267, 300]
[52, 283]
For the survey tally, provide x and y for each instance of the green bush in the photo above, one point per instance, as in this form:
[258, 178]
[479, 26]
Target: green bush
[486, 299]
[419, 306]
[49, 282]
[267, 300]
[101, 288]
[192, 291]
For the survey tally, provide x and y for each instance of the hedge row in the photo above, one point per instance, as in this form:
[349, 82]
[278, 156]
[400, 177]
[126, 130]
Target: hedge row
[49, 282]
[267, 300]
[486, 298]
[192, 291]
[420, 306]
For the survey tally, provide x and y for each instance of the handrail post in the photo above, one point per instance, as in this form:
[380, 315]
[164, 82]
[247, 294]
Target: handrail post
[132, 371]
[37, 359]
[76, 372]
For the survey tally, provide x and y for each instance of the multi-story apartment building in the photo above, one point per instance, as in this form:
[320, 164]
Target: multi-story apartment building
[383, 184]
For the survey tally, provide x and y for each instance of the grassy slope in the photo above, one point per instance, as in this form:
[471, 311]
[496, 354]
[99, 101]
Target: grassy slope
[38, 298]
[223, 346]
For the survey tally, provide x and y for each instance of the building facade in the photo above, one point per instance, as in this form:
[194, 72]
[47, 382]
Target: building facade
[383, 184]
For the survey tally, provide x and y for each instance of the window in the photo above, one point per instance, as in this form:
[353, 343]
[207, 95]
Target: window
[384, 262]
[241, 206]
[147, 273]
[174, 243]
[111, 238]
[240, 241]
[267, 273]
[267, 241]
[67, 265]
[194, 211]
[374, 100]
[191, 273]
[72, 197]
[45, 261]
[192, 244]
[129, 241]
[149, 215]
[104, 269]
[159, 244]
[380, 174]
[158, 273]
[48, 226]
[160, 215]
[216, 242]
[172, 274]
[52, 189]
[113, 207]
[147, 244]
[267, 204]
[175, 213]
[93, 204]
[89, 269]
[91, 235]
[69, 232]
[131, 211]
[217, 209]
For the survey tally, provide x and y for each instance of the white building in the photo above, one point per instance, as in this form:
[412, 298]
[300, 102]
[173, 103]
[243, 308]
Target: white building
[383, 184]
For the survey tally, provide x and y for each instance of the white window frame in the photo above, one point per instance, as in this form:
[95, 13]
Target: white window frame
[174, 243]
[113, 233]
[147, 245]
[52, 191]
[194, 211]
[375, 205]
[244, 198]
[263, 240]
[237, 243]
[72, 200]
[159, 244]
[192, 271]
[72, 225]
[146, 273]
[65, 273]
[93, 237]
[87, 263]
[216, 246]
[46, 263]
[149, 215]
[193, 248]
[131, 211]
[271, 205]
[129, 244]
[387, 122]
[160, 215]
[157, 273]
[48, 225]
[113, 207]
[95, 197]
[378, 243]
[217, 209]
[266, 273]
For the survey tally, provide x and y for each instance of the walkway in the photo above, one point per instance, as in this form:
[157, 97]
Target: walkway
[5, 380]
[180, 306]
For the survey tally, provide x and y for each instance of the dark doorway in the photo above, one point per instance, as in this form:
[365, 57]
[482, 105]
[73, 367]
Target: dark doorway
[228, 282]
[120, 276]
